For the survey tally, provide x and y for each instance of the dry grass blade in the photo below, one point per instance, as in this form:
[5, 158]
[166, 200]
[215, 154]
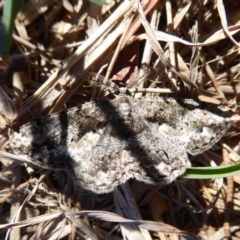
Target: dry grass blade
[68, 53]
[56, 85]
[20, 159]
[39, 219]
[180, 15]
[8, 109]
[222, 15]
[126, 206]
[156, 47]
[215, 37]
[16, 216]
[194, 62]
[105, 216]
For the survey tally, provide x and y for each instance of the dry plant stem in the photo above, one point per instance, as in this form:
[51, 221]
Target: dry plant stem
[47, 50]
[102, 215]
[75, 83]
[136, 24]
[18, 86]
[121, 206]
[147, 53]
[15, 233]
[150, 90]
[57, 83]
[182, 66]
[11, 157]
[47, 57]
[8, 109]
[156, 207]
[194, 62]
[120, 45]
[148, 49]
[61, 231]
[172, 54]
[9, 195]
[159, 51]
[17, 213]
[210, 199]
[59, 88]
[236, 156]
[214, 38]
[222, 14]
[45, 217]
[104, 46]
[133, 208]
[220, 233]
[229, 196]
[212, 77]
[205, 190]
[180, 16]
[111, 21]
[81, 225]
[236, 51]
[151, 36]
[38, 95]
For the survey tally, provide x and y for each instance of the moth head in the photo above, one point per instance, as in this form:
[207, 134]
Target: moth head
[124, 110]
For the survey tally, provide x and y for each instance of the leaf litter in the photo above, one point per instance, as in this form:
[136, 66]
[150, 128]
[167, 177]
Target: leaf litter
[192, 51]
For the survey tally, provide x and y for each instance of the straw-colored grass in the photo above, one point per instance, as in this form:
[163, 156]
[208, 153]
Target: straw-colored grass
[57, 46]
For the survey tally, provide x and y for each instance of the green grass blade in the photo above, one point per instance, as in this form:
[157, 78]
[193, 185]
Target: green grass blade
[212, 172]
[100, 2]
[10, 10]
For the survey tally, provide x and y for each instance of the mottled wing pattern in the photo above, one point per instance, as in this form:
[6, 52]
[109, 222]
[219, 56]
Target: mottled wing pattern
[105, 143]
[46, 139]
[127, 148]
[196, 126]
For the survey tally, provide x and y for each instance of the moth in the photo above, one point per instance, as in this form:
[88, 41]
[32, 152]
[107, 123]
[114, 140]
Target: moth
[105, 143]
